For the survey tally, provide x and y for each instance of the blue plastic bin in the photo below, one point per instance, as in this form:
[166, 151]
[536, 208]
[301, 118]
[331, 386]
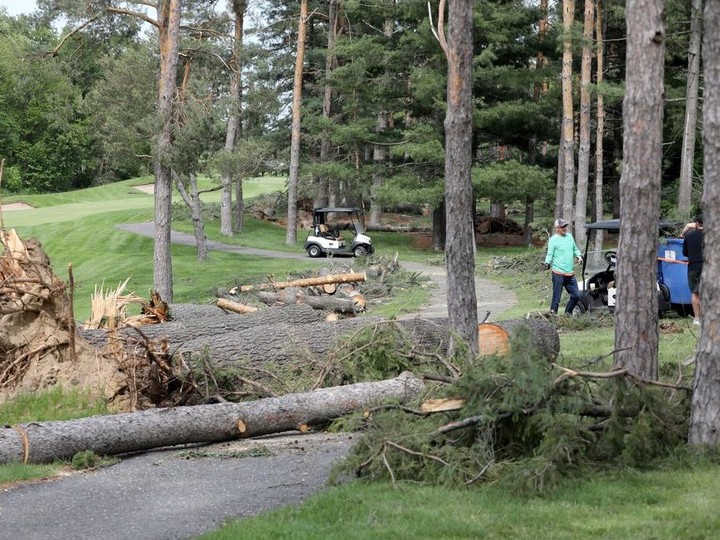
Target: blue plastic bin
[673, 269]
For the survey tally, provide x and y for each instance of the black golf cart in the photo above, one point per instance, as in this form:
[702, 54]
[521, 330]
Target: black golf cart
[597, 288]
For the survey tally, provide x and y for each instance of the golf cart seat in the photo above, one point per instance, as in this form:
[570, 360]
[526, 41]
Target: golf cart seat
[325, 232]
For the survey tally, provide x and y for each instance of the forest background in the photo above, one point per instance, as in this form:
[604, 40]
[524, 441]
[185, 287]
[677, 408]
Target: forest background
[83, 111]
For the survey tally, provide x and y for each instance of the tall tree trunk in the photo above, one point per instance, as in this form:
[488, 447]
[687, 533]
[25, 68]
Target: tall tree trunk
[560, 181]
[380, 152]
[439, 226]
[191, 196]
[321, 196]
[568, 138]
[291, 237]
[169, 26]
[636, 312]
[379, 161]
[705, 418]
[687, 158]
[583, 177]
[234, 124]
[459, 248]
[600, 127]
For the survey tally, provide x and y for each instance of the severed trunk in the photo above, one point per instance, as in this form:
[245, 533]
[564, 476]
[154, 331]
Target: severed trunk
[131, 432]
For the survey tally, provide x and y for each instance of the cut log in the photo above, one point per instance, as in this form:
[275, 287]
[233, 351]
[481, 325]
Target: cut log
[305, 282]
[494, 338]
[235, 307]
[131, 432]
[296, 296]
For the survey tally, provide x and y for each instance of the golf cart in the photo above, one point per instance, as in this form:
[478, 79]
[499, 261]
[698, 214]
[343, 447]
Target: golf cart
[597, 288]
[326, 236]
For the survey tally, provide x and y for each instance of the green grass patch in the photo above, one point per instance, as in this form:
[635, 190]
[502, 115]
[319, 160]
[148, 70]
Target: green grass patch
[658, 505]
[17, 472]
[53, 404]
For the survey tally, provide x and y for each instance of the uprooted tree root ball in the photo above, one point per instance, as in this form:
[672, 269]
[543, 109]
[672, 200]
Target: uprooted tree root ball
[39, 347]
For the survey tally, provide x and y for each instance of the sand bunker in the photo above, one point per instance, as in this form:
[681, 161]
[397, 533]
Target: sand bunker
[15, 206]
[146, 188]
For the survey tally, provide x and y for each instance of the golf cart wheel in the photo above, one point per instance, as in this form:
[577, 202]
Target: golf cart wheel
[360, 251]
[314, 251]
[580, 308]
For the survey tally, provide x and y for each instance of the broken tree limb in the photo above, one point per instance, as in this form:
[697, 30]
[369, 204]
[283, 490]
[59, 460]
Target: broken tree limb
[305, 282]
[235, 307]
[296, 296]
[131, 432]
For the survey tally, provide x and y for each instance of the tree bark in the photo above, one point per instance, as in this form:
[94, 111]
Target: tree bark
[687, 158]
[583, 177]
[169, 27]
[291, 296]
[705, 418]
[351, 277]
[600, 126]
[191, 198]
[568, 138]
[282, 343]
[636, 312]
[191, 322]
[234, 124]
[291, 236]
[131, 432]
[460, 238]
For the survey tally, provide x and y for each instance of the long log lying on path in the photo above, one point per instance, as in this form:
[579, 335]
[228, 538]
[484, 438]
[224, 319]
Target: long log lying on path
[131, 432]
[351, 277]
[205, 327]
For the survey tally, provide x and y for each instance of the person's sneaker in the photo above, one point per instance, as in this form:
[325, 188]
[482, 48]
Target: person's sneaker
[696, 321]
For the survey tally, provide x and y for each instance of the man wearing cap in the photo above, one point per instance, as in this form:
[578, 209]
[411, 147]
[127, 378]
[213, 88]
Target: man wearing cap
[561, 255]
[693, 250]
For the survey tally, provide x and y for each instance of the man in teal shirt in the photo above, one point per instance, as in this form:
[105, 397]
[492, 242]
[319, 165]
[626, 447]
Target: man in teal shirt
[561, 255]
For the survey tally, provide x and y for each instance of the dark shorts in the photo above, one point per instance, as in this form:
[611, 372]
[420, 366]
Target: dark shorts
[694, 280]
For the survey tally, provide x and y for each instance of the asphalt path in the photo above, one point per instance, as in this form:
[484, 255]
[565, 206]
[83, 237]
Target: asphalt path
[181, 493]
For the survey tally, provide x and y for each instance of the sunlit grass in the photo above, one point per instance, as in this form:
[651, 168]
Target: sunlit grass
[663, 505]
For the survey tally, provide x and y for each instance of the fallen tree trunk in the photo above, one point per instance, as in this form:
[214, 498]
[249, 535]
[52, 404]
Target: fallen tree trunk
[130, 432]
[305, 282]
[287, 342]
[190, 328]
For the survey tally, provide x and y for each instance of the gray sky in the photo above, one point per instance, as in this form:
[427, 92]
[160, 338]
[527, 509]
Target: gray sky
[15, 7]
